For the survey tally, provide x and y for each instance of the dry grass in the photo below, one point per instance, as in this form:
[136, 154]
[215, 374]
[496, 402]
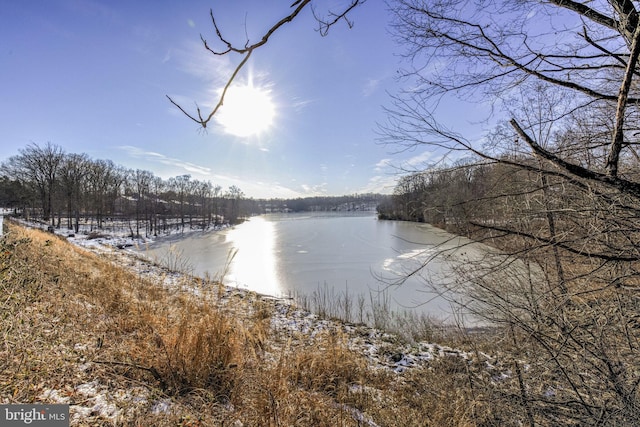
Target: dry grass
[71, 318]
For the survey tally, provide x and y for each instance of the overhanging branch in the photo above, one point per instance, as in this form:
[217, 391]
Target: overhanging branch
[623, 100]
[624, 186]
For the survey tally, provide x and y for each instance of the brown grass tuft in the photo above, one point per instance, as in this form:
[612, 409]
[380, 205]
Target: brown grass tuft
[330, 369]
[202, 350]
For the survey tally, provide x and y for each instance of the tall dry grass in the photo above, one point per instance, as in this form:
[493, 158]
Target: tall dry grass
[70, 317]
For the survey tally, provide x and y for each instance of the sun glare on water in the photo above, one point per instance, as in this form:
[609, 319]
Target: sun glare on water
[247, 111]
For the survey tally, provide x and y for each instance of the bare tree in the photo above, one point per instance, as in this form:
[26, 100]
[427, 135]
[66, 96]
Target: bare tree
[141, 185]
[157, 186]
[75, 168]
[233, 196]
[204, 194]
[181, 185]
[104, 186]
[215, 201]
[564, 73]
[39, 166]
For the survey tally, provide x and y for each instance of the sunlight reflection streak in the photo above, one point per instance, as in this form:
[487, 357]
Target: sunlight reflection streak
[256, 261]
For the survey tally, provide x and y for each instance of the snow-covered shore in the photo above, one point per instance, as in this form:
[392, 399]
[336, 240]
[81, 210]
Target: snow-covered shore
[381, 349]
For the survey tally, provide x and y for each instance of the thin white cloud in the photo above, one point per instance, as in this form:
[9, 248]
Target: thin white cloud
[278, 191]
[152, 156]
[385, 178]
[421, 160]
[370, 86]
[195, 60]
[250, 187]
[260, 189]
[167, 57]
[382, 165]
[383, 184]
[313, 190]
[300, 104]
[92, 9]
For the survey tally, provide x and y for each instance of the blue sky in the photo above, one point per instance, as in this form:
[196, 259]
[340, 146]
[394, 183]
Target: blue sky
[92, 77]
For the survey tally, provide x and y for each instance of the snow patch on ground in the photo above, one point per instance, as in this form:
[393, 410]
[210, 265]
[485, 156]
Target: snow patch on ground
[93, 401]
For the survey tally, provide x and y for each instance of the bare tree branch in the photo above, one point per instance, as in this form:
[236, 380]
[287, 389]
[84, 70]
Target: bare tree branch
[623, 100]
[588, 12]
[324, 24]
[248, 48]
[202, 121]
[623, 185]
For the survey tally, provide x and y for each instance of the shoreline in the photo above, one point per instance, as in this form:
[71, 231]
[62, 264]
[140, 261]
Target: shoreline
[145, 267]
[120, 240]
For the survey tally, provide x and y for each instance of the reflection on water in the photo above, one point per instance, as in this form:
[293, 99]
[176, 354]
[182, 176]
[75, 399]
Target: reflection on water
[289, 254]
[255, 261]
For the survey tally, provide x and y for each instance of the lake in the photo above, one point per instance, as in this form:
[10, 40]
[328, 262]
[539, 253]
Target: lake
[303, 253]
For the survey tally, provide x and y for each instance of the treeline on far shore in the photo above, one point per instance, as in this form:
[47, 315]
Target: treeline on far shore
[66, 189]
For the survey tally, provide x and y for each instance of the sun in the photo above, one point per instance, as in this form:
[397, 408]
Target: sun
[247, 110]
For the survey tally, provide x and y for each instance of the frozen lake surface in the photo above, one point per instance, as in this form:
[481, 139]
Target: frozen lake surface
[299, 254]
